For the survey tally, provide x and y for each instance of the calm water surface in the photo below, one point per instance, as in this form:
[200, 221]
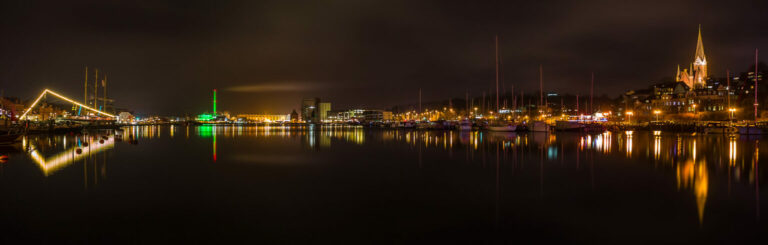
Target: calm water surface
[280, 185]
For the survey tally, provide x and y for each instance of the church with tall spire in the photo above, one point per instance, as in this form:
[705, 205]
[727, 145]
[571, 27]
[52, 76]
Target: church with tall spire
[696, 76]
[694, 94]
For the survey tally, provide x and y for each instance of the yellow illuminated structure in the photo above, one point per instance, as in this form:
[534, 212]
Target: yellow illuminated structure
[697, 75]
[47, 91]
[56, 162]
[264, 117]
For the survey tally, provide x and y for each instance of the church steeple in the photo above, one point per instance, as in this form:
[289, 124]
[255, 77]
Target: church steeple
[700, 49]
[699, 69]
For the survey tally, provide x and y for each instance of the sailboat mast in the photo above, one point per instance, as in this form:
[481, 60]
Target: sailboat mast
[497, 73]
[503, 98]
[591, 92]
[522, 103]
[482, 107]
[577, 104]
[85, 96]
[756, 86]
[728, 87]
[514, 100]
[104, 102]
[562, 105]
[471, 103]
[96, 90]
[541, 86]
[419, 102]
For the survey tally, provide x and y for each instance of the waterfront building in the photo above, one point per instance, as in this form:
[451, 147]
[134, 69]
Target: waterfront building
[322, 111]
[309, 110]
[125, 117]
[314, 111]
[387, 116]
[294, 116]
[11, 108]
[264, 117]
[678, 98]
[377, 115]
[346, 115]
[360, 115]
[751, 76]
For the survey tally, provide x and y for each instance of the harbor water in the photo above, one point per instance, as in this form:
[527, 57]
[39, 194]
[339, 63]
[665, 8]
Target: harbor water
[226, 184]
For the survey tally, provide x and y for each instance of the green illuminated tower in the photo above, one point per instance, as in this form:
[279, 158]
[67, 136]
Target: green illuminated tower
[214, 101]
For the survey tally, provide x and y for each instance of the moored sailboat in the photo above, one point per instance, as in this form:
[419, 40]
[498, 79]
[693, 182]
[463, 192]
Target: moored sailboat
[510, 127]
[540, 126]
[465, 125]
[565, 125]
[751, 129]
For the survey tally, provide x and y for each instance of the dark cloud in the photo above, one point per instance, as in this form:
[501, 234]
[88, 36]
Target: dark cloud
[284, 86]
[166, 56]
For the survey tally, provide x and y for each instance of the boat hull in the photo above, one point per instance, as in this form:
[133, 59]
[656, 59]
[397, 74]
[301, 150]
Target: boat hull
[750, 130]
[540, 127]
[721, 130]
[508, 128]
[568, 126]
[465, 125]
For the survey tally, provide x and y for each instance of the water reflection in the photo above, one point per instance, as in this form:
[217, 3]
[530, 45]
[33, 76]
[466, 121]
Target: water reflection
[732, 151]
[64, 155]
[656, 146]
[757, 178]
[695, 164]
[629, 142]
[692, 175]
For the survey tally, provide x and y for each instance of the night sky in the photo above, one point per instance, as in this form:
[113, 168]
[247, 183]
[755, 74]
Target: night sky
[264, 56]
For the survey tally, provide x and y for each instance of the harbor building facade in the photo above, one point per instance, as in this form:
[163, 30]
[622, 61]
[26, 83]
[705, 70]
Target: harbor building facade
[314, 111]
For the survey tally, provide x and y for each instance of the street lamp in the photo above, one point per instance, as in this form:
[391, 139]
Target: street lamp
[731, 110]
[657, 112]
[695, 112]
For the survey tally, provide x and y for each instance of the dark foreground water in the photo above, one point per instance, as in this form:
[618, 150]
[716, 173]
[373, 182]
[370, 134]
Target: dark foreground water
[277, 185]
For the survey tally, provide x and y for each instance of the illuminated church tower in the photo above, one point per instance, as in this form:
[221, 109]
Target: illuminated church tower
[700, 63]
[696, 77]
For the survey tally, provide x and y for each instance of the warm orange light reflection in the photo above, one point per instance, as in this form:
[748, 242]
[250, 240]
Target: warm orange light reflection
[656, 147]
[693, 175]
[732, 151]
[67, 157]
